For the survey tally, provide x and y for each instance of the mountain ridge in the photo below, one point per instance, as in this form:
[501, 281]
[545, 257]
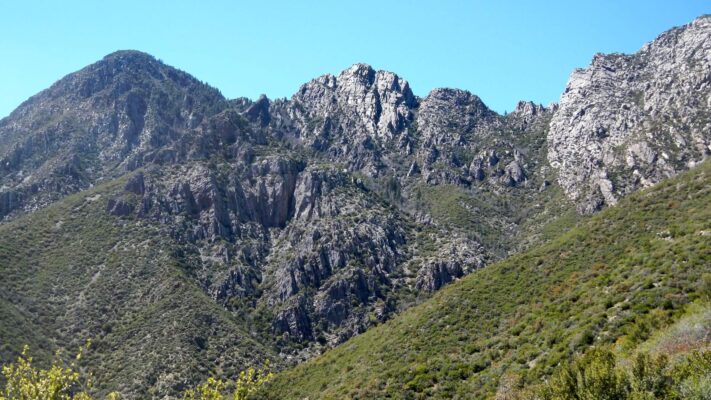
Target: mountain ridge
[303, 222]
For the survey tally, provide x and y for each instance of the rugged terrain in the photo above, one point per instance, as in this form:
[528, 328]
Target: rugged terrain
[619, 278]
[234, 231]
[629, 121]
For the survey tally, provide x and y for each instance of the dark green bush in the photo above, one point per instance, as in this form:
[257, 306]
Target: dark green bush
[596, 376]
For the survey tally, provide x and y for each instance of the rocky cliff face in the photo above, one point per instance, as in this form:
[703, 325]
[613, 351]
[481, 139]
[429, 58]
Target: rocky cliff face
[350, 117]
[270, 223]
[360, 100]
[315, 251]
[628, 121]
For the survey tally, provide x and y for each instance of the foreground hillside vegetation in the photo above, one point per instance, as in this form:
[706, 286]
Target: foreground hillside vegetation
[24, 380]
[592, 376]
[596, 376]
[613, 281]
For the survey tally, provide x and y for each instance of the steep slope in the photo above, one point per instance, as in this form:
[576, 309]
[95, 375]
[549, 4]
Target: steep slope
[415, 151]
[628, 121]
[130, 110]
[615, 278]
[72, 272]
[308, 247]
[277, 242]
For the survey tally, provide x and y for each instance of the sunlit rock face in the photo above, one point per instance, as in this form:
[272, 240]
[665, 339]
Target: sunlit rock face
[628, 121]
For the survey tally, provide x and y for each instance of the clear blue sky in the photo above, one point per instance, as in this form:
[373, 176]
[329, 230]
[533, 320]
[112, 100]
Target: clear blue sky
[501, 51]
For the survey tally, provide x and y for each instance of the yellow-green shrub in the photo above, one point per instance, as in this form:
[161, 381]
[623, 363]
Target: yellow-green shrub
[247, 383]
[24, 381]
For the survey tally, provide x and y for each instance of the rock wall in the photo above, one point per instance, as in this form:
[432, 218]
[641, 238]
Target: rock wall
[628, 121]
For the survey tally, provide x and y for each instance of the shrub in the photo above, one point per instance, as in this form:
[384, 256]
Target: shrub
[247, 383]
[590, 377]
[24, 381]
[595, 376]
[706, 287]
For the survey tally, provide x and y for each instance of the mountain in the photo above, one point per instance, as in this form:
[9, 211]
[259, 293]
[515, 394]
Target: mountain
[629, 121]
[189, 234]
[619, 277]
[116, 115]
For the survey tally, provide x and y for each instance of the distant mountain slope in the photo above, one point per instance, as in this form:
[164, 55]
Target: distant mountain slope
[616, 278]
[113, 116]
[301, 244]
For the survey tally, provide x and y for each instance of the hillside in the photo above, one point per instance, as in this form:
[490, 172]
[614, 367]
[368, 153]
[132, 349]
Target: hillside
[618, 277]
[72, 272]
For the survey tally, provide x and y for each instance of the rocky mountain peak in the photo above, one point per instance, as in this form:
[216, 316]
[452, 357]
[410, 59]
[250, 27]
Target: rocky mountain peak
[129, 58]
[361, 77]
[458, 97]
[121, 70]
[358, 107]
[618, 127]
[117, 114]
[447, 113]
[695, 29]
[528, 108]
[259, 110]
[358, 73]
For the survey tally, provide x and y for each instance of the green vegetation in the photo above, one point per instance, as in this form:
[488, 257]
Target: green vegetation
[596, 376]
[248, 382]
[25, 381]
[454, 207]
[620, 278]
[72, 272]
[504, 222]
